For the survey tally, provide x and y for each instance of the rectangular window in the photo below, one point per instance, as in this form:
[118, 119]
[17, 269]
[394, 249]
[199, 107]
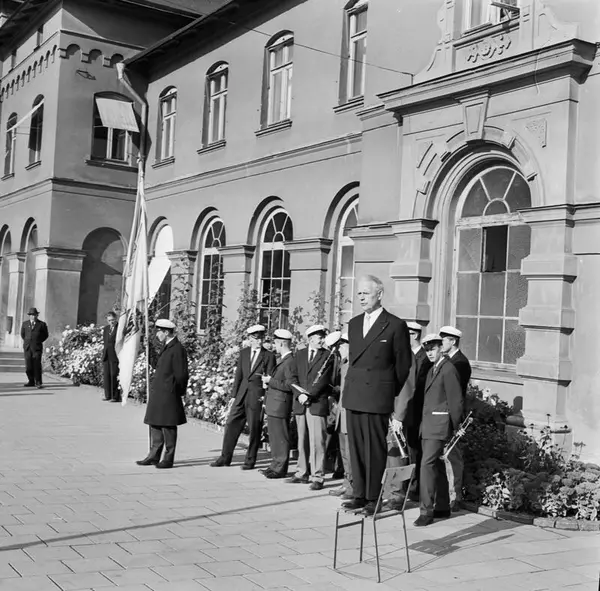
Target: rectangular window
[168, 112]
[357, 52]
[217, 105]
[280, 81]
[495, 247]
[13, 59]
[11, 143]
[39, 36]
[481, 12]
[35, 135]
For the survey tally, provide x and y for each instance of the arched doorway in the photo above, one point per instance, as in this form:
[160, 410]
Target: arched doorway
[31, 243]
[159, 273]
[5, 248]
[101, 275]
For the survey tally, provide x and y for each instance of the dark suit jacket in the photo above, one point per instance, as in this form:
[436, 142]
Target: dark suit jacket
[443, 406]
[379, 364]
[463, 367]
[33, 338]
[247, 381]
[109, 354]
[279, 397]
[422, 367]
[319, 392]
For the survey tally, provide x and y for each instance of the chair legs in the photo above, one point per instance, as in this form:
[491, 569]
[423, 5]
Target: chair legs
[405, 542]
[376, 549]
[362, 537]
[337, 521]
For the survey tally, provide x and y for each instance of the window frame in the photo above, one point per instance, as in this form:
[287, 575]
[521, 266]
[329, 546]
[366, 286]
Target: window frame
[494, 15]
[37, 119]
[10, 145]
[201, 266]
[341, 241]
[284, 42]
[111, 132]
[166, 143]
[354, 37]
[217, 72]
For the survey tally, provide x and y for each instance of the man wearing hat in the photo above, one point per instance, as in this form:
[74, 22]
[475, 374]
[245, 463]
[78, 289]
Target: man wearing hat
[442, 413]
[450, 346]
[311, 410]
[33, 332]
[254, 361]
[164, 410]
[110, 361]
[278, 404]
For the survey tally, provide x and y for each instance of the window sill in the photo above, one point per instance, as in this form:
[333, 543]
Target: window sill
[496, 373]
[351, 105]
[486, 30]
[115, 165]
[212, 147]
[10, 175]
[165, 162]
[274, 128]
[33, 165]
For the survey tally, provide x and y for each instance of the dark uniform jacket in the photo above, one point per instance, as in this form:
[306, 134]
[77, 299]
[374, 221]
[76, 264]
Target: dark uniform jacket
[319, 392]
[247, 382]
[422, 367]
[463, 367]
[443, 406]
[379, 364]
[279, 398]
[108, 353]
[33, 338]
[165, 407]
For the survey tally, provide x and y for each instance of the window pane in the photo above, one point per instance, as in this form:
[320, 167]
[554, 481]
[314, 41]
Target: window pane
[469, 249]
[495, 244]
[266, 264]
[347, 261]
[286, 293]
[519, 195]
[361, 21]
[277, 57]
[360, 50]
[286, 264]
[270, 231]
[119, 144]
[467, 297]
[519, 245]
[351, 221]
[496, 182]
[490, 340]
[276, 90]
[468, 326]
[278, 263]
[100, 143]
[496, 208]
[516, 294]
[514, 342]
[492, 294]
[215, 116]
[475, 202]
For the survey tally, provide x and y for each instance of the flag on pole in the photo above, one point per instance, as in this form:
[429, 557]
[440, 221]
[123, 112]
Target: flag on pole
[134, 303]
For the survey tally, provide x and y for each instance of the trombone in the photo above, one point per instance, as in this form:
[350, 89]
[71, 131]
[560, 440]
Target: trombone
[460, 432]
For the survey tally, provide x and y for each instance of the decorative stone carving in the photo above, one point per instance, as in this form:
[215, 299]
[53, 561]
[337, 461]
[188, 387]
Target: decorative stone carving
[474, 115]
[488, 48]
[539, 129]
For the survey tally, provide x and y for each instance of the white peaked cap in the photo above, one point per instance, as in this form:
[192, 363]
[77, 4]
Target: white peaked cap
[164, 323]
[431, 338]
[256, 328]
[282, 333]
[333, 338]
[451, 331]
[314, 329]
[414, 326]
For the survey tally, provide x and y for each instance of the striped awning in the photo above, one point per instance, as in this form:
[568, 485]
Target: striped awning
[117, 114]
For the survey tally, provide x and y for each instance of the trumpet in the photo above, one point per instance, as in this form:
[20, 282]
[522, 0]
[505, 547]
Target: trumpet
[400, 441]
[460, 433]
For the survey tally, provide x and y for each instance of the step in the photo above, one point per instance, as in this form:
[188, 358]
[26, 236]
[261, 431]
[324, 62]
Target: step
[15, 354]
[12, 369]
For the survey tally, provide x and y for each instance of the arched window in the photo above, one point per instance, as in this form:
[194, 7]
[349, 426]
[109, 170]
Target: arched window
[159, 273]
[210, 274]
[345, 264]
[35, 131]
[29, 271]
[491, 243]
[275, 272]
[167, 110]
[279, 68]
[215, 110]
[11, 144]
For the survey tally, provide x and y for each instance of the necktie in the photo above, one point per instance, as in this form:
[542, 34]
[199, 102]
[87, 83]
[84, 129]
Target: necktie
[367, 325]
[311, 356]
[254, 356]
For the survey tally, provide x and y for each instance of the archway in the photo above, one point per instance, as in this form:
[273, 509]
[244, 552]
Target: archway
[30, 274]
[5, 248]
[101, 275]
[159, 273]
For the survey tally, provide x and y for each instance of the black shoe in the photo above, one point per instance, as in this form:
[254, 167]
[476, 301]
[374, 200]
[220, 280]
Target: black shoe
[115, 400]
[396, 504]
[316, 486]
[337, 475]
[266, 471]
[219, 462]
[423, 520]
[354, 504]
[29, 385]
[39, 386]
[164, 465]
[247, 466]
[413, 498]
[337, 492]
[274, 475]
[442, 514]
[147, 462]
[106, 399]
[370, 508]
[455, 507]
[296, 480]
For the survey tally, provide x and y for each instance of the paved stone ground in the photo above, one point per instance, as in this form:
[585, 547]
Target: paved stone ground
[76, 513]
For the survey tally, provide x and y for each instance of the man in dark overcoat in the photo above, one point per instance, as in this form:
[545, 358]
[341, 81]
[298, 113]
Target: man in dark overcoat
[248, 393]
[442, 413]
[311, 410]
[164, 410]
[278, 404]
[379, 364]
[110, 361]
[33, 332]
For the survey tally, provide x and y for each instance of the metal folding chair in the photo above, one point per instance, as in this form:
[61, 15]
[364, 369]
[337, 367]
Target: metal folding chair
[392, 480]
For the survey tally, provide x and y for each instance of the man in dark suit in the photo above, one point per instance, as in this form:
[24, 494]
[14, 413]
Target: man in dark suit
[442, 413]
[311, 409]
[451, 348]
[33, 332]
[248, 393]
[379, 364]
[278, 404]
[110, 359]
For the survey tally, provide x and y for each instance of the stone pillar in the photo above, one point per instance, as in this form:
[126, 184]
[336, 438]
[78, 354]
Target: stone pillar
[548, 319]
[14, 312]
[237, 267]
[182, 274]
[412, 269]
[58, 273]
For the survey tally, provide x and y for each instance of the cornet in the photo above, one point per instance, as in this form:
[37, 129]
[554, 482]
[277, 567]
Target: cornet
[400, 441]
[460, 432]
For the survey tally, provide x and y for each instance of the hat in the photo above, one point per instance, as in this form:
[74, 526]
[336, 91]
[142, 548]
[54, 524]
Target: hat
[414, 326]
[164, 323]
[315, 329]
[333, 338]
[32, 311]
[450, 331]
[345, 337]
[256, 328]
[283, 334]
[431, 338]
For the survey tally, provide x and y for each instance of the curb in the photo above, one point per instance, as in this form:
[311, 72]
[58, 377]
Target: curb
[560, 523]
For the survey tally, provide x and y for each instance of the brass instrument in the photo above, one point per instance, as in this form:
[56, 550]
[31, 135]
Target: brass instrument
[400, 441]
[460, 432]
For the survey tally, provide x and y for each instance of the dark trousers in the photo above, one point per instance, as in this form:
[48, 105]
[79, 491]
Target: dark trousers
[33, 366]
[368, 452]
[163, 437]
[238, 416]
[279, 440]
[345, 453]
[333, 453]
[111, 382]
[415, 455]
[434, 492]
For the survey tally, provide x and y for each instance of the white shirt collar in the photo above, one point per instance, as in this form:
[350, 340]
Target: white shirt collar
[453, 353]
[417, 349]
[286, 354]
[373, 316]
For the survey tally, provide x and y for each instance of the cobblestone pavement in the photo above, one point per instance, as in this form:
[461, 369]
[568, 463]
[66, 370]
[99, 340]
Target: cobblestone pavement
[77, 513]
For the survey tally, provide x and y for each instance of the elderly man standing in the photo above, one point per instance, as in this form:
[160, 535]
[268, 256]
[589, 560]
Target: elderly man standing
[110, 361]
[164, 411]
[33, 332]
[379, 364]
